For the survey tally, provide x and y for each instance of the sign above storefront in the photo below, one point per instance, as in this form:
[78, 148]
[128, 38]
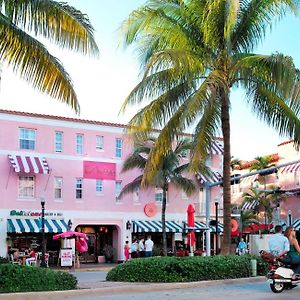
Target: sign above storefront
[99, 170]
[29, 213]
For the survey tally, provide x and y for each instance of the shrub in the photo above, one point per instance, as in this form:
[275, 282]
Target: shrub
[15, 278]
[185, 269]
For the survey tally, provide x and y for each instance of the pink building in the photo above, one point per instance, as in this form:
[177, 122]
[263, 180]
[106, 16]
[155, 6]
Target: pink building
[74, 165]
[287, 179]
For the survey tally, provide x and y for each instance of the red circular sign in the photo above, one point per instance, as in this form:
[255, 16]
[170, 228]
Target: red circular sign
[150, 209]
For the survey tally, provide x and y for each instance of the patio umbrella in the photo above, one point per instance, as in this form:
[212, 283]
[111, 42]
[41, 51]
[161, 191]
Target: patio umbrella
[191, 225]
[69, 235]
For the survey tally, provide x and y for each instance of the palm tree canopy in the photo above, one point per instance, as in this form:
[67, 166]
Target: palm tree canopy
[23, 20]
[189, 50]
[171, 170]
[262, 162]
[192, 54]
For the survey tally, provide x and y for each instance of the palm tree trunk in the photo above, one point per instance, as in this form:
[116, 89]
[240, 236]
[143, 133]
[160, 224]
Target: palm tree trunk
[163, 219]
[225, 248]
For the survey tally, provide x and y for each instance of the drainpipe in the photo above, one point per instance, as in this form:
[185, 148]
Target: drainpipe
[207, 210]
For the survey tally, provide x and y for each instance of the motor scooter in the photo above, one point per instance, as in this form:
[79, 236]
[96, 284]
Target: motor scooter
[280, 275]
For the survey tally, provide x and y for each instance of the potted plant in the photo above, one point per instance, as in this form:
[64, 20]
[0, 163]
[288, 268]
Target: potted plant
[108, 252]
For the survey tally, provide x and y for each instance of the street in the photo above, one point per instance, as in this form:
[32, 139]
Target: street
[212, 290]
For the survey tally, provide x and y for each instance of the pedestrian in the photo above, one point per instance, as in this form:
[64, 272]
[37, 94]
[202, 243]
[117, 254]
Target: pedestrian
[141, 248]
[126, 251]
[242, 246]
[134, 249]
[148, 246]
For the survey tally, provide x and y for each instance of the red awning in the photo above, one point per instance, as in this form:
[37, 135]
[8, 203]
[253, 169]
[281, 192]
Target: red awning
[29, 164]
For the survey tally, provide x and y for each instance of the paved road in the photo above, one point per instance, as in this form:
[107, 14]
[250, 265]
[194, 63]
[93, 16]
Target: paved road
[210, 291]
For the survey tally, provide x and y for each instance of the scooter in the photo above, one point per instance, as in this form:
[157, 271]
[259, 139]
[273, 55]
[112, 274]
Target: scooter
[280, 274]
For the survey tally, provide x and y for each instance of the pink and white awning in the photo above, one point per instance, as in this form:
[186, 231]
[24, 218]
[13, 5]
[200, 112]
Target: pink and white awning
[291, 168]
[246, 181]
[29, 164]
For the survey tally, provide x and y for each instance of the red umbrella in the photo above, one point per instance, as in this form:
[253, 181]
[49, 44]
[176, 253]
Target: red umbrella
[191, 216]
[191, 224]
[69, 235]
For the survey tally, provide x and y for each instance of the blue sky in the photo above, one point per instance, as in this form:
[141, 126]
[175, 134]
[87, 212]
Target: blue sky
[102, 84]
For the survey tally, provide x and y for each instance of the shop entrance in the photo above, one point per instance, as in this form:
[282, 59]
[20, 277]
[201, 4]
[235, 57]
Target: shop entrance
[101, 242]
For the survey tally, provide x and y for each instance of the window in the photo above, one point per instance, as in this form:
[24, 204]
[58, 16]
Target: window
[158, 195]
[118, 188]
[184, 153]
[136, 194]
[184, 196]
[297, 178]
[99, 142]
[118, 148]
[202, 201]
[58, 141]
[99, 186]
[26, 187]
[27, 138]
[79, 188]
[58, 182]
[79, 143]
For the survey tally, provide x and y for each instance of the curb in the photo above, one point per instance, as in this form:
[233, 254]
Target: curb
[121, 288]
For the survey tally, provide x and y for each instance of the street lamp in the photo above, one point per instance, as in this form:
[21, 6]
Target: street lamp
[217, 226]
[43, 263]
[70, 224]
[290, 217]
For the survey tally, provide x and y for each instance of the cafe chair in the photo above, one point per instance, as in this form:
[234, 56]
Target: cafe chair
[34, 262]
[13, 261]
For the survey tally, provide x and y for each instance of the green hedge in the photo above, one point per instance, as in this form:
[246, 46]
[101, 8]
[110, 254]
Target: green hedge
[15, 278]
[185, 269]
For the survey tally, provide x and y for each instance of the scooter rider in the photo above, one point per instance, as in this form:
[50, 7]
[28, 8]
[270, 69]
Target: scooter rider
[279, 244]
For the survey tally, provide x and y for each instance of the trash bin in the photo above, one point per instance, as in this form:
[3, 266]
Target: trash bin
[253, 263]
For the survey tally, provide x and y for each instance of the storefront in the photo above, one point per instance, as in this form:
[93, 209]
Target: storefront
[102, 242]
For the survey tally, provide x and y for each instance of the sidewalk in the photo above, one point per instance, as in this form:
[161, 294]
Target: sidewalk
[86, 267]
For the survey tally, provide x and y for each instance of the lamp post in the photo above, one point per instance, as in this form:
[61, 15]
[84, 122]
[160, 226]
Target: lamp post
[290, 217]
[43, 263]
[70, 224]
[217, 226]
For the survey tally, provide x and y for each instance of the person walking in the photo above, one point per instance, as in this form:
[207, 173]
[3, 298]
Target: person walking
[126, 251]
[242, 246]
[148, 247]
[134, 249]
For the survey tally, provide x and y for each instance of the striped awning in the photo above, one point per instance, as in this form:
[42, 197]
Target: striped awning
[246, 181]
[29, 164]
[296, 224]
[34, 225]
[155, 226]
[220, 227]
[199, 226]
[215, 177]
[250, 205]
[291, 168]
[217, 148]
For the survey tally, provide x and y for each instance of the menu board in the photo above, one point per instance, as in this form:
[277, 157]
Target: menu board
[66, 257]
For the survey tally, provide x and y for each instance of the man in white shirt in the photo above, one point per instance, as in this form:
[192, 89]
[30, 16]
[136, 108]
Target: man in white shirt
[279, 244]
[148, 247]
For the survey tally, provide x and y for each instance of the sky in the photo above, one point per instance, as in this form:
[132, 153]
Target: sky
[103, 83]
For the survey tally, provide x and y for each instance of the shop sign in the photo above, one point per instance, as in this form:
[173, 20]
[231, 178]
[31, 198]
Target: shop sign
[29, 213]
[99, 170]
[66, 256]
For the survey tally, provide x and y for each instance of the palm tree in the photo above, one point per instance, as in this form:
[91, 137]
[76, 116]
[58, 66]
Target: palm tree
[21, 22]
[235, 163]
[170, 171]
[193, 53]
